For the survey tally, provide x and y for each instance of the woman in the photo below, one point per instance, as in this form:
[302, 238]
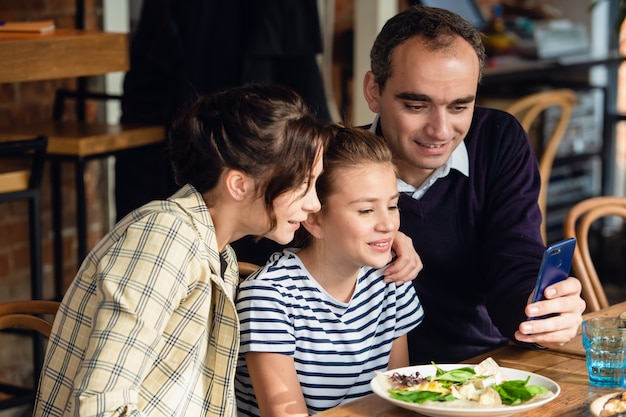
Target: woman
[148, 327]
[316, 323]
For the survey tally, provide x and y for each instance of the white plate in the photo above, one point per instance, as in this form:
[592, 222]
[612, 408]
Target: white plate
[380, 385]
[598, 404]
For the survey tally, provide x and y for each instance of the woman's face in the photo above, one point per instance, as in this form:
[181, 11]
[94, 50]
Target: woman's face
[293, 207]
[361, 217]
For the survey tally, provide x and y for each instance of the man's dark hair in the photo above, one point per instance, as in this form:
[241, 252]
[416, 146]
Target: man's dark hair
[438, 27]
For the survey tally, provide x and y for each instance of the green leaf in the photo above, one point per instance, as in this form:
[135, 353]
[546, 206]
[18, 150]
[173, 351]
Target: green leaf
[459, 375]
[515, 392]
[420, 396]
[536, 389]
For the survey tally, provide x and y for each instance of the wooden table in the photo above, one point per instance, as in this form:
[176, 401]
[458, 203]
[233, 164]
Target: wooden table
[63, 53]
[566, 367]
[575, 346]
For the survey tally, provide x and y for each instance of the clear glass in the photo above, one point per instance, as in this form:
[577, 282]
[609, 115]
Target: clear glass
[604, 340]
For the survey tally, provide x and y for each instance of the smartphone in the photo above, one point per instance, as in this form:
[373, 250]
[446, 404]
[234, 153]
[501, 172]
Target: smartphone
[555, 266]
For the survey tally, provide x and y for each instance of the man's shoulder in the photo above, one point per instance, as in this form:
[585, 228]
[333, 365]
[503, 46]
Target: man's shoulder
[493, 126]
[488, 115]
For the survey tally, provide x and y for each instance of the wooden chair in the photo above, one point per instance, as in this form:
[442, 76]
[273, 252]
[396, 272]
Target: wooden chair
[25, 315]
[527, 110]
[247, 268]
[577, 223]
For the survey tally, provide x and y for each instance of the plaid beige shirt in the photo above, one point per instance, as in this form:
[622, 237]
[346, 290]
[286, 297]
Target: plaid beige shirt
[148, 327]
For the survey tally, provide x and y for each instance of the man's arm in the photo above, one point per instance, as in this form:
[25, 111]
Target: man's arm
[562, 298]
[513, 247]
[407, 264]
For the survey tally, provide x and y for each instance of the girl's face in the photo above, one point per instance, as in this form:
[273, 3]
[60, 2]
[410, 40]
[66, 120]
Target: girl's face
[293, 207]
[361, 216]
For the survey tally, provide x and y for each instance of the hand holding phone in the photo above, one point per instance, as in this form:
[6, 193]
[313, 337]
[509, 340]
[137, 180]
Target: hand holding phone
[555, 266]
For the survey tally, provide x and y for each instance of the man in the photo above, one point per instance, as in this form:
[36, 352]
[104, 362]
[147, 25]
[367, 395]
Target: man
[469, 184]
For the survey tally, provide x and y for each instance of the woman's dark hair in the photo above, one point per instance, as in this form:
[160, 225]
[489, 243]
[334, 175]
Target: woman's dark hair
[348, 148]
[437, 27]
[265, 131]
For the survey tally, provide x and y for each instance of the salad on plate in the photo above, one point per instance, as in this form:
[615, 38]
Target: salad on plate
[482, 386]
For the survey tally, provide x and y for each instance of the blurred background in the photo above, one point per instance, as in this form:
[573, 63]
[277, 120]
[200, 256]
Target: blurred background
[320, 48]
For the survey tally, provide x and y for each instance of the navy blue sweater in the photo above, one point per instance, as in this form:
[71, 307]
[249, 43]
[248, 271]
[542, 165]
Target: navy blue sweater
[480, 242]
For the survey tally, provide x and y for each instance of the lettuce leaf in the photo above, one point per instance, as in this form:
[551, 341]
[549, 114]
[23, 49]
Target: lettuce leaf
[420, 396]
[515, 392]
[458, 375]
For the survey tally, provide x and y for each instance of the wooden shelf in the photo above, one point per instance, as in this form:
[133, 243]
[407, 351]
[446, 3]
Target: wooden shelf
[63, 53]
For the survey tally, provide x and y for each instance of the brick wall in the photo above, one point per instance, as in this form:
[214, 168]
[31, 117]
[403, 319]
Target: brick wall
[25, 103]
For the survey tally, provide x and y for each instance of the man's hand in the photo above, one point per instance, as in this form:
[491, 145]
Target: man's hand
[562, 298]
[408, 263]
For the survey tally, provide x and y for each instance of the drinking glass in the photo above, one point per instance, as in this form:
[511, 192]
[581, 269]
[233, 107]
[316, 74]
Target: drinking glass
[604, 340]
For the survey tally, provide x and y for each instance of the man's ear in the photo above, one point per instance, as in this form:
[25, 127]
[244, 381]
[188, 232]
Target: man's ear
[371, 92]
[238, 184]
[313, 225]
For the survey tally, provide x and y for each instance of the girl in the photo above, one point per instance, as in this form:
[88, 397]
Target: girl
[316, 322]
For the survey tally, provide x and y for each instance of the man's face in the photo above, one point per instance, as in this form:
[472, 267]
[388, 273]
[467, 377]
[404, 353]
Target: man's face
[427, 104]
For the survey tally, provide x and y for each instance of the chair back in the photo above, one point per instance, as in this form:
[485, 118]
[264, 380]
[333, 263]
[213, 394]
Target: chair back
[577, 223]
[527, 110]
[21, 166]
[26, 315]
[247, 268]
[22, 160]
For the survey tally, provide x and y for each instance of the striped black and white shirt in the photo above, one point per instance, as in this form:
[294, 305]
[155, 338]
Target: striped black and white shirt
[336, 346]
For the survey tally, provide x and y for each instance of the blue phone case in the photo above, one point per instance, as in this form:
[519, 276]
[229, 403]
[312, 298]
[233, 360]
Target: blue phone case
[555, 266]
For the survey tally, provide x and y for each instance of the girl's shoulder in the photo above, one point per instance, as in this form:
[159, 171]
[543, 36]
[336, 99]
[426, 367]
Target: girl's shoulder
[281, 266]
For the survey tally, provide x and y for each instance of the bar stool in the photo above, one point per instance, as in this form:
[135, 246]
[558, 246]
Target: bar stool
[21, 169]
[78, 142]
